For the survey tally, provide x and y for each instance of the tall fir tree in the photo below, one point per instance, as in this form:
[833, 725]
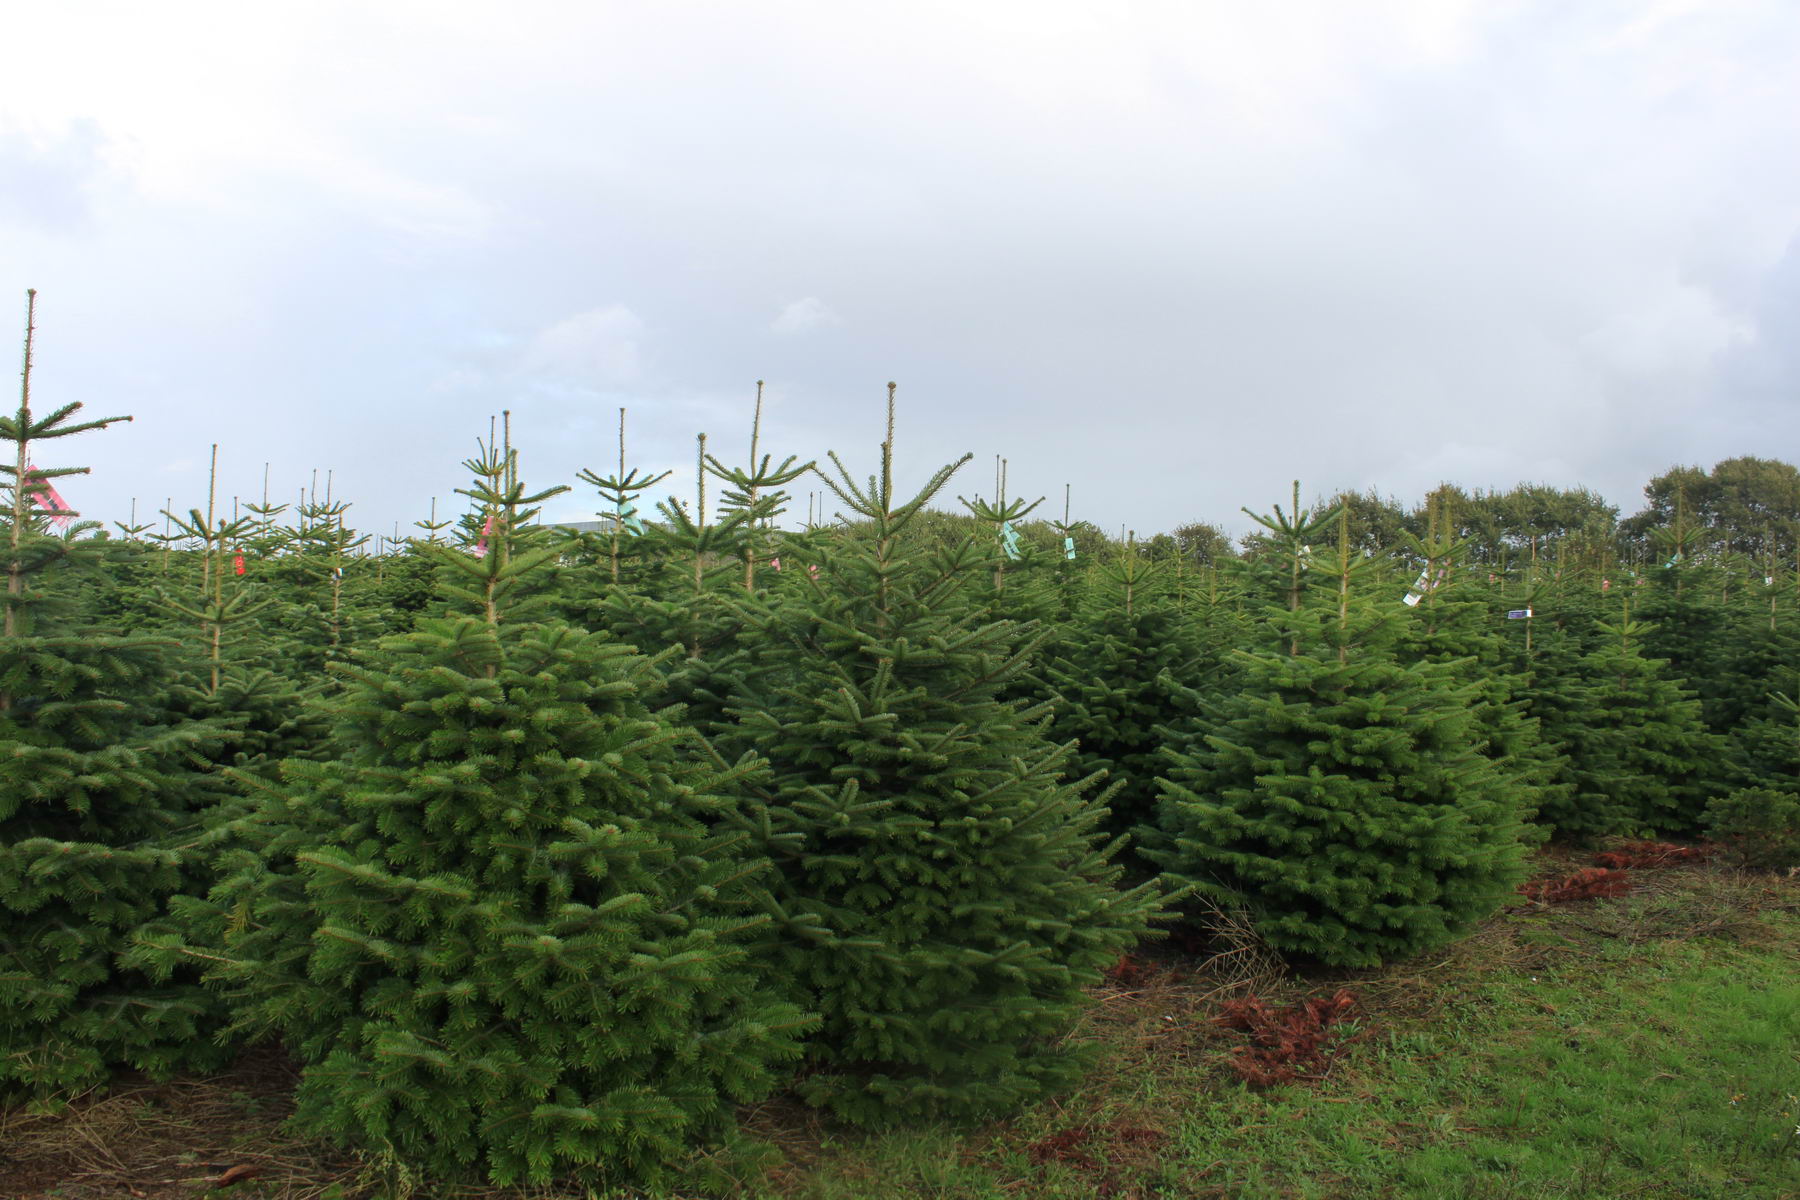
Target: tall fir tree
[95, 789]
[1685, 624]
[1452, 622]
[506, 932]
[944, 889]
[1340, 795]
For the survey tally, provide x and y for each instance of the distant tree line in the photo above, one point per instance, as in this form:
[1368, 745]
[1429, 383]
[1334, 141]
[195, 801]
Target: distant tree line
[1744, 510]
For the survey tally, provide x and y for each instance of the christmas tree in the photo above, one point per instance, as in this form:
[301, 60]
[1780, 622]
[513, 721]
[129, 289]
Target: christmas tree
[1452, 622]
[1640, 756]
[944, 891]
[1341, 795]
[506, 932]
[1768, 746]
[95, 786]
[1126, 662]
[698, 562]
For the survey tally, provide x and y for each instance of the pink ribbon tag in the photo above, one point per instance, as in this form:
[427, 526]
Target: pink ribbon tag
[48, 498]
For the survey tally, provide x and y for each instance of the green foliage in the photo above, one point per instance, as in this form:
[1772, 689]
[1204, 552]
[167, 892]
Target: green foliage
[515, 917]
[1340, 794]
[1747, 505]
[509, 931]
[1126, 662]
[1757, 827]
[95, 787]
[1453, 624]
[944, 893]
[1203, 544]
[1531, 523]
[1639, 754]
[1768, 742]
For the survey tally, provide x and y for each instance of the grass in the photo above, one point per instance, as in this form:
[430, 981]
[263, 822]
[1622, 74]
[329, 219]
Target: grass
[1643, 1046]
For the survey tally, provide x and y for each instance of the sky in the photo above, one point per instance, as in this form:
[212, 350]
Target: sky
[1171, 255]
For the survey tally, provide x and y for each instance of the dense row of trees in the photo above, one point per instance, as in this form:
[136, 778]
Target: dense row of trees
[1743, 513]
[540, 852]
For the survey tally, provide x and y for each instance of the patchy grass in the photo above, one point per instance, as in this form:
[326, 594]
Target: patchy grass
[1643, 1045]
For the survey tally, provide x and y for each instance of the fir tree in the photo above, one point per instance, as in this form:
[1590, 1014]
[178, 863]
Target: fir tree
[1640, 755]
[94, 787]
[1685, 625]
[620, 493]
[1453, 622]
[683, 600]
[1004, 514]
[1768, 746]
[944, 890]
[1126, 662]
[505, 932]
[690, 603]
[1340, 795]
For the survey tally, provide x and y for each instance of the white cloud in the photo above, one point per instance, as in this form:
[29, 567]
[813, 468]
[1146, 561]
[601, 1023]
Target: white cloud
[457, 380]
[593, 349]
[1676, 329]
[804, 316]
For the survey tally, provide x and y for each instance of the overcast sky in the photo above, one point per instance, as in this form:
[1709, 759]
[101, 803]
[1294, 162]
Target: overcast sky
[1178, 254]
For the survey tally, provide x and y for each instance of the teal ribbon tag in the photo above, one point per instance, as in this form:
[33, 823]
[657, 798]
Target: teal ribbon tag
[629, 519]
[1009, 540]
[1069, 548]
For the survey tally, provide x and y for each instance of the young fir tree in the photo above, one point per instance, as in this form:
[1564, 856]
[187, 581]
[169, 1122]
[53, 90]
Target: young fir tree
[1639, 753]
[1010, 554]
[683, 600]
[239, 682]
[946, 893]
[1126, 662]
[503, 933]
[621, 559]
[1341, 795]
[706, 565]
[1768, 746]
[325, 548]
[1758, 664]
[1452, 620]
[1759, 825]
[94, 786]
[1686, 626]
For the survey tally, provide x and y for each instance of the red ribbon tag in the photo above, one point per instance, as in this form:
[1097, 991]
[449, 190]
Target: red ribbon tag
[237, 563]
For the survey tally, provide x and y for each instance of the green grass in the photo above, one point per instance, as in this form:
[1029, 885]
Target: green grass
[1647, 1046]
